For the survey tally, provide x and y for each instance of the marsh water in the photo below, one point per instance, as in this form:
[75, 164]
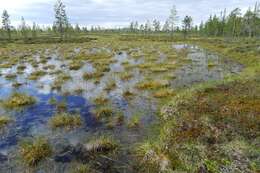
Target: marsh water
[33, 120]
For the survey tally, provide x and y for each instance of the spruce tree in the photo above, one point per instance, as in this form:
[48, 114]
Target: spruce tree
[6, 23]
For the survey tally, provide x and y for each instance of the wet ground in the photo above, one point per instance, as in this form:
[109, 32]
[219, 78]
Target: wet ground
[78, 94]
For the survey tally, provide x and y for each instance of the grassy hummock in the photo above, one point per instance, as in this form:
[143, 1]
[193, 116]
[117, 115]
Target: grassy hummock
[65, 120]
[4, 120]
[34, 151]
[101, 144]
[17, 100]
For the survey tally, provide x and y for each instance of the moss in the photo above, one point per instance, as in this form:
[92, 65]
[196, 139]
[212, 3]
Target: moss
[17, 100]
[65, 120]
[34, 151]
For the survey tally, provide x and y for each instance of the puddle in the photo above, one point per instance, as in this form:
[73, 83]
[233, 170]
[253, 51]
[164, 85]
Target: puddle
[204, 66]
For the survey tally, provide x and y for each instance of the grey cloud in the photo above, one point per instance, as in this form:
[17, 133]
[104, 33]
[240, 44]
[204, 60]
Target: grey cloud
[120, 12]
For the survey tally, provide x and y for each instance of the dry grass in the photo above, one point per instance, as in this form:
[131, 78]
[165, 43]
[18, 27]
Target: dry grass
[65, 120]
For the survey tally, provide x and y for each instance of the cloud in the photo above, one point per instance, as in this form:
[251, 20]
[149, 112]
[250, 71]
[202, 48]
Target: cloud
[117, 12]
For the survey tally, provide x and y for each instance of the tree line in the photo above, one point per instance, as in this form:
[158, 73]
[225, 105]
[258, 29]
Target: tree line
[234, 24]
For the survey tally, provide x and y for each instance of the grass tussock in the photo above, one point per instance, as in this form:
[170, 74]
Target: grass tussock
[103, 112]
[101, 100]
[36, 75]
[165, 92]
[81, 168]
[152, 84]
[101, 144]
[18, 100]
[34, 151]
[75, 65]
[4, 120]
[65, 120]
[150, 158]
[134, 121]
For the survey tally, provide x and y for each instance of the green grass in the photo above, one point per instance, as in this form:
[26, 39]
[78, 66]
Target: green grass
[152, 84]
[10, 76]
[75, 65]
[4, 120]
[95, 75]
[36, 75]
[222, 114]
[81, 168]
[17, 100]
[35, 150]
[103, 112]
[126, 76]
[110, 85]
[134, 121]
[65, 120]
[128, 94]
[102, 144]
[164, 92]
[101, 100]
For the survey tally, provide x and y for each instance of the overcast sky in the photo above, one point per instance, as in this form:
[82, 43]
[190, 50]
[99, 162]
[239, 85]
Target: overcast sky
[117, 12]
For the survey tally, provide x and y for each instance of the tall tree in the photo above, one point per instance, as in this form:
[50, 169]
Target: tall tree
[173, 18]
[147, 26]
[156, 25]
[166, 26]
[6, 23]
[24, 29]
[34, 30]
[61, 23]
[186, 25]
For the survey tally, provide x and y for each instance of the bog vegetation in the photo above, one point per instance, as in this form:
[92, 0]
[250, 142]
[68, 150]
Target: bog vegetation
[151, 97]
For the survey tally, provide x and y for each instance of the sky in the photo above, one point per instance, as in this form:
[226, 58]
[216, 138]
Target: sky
[117, 13]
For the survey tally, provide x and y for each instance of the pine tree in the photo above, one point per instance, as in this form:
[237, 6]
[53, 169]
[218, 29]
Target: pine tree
[166, 26]
[173, 18]
[61, 23]
[6, 23]
[186, 25]
[156, 25]
[24, 29]
[34, 31]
